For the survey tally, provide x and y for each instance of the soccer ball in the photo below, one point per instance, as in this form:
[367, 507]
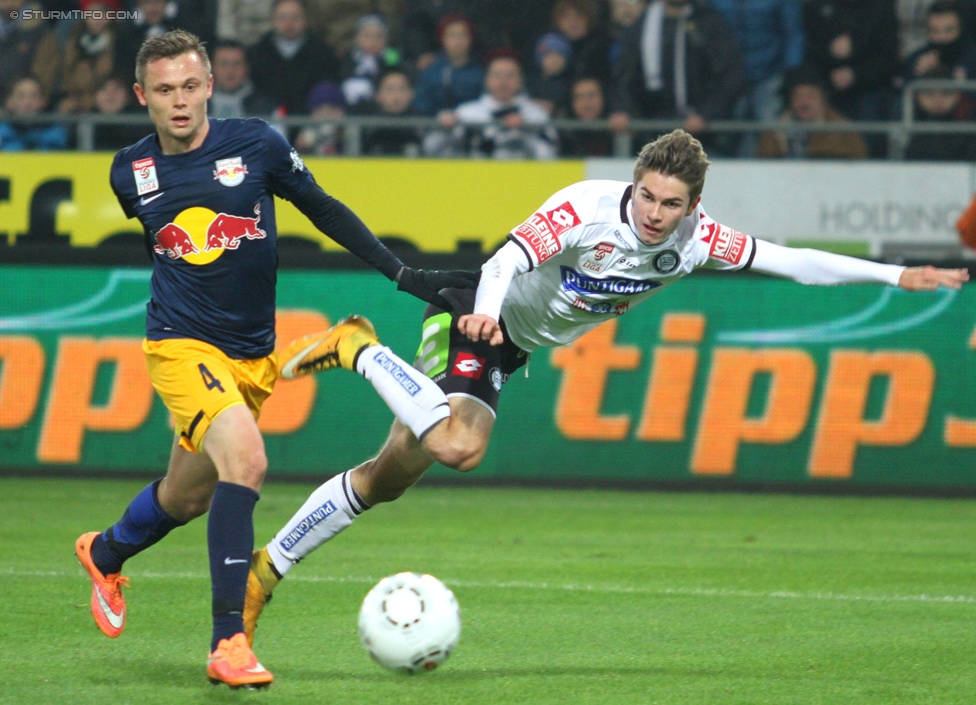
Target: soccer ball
[410, 623]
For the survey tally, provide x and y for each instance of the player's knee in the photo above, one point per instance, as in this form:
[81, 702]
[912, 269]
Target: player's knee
[461, 455]
[249, 470]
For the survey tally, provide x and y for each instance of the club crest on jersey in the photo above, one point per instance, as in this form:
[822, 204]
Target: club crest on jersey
[666, 262]
[583, 284]
[230, 172]
[144, 171]
[597, 258]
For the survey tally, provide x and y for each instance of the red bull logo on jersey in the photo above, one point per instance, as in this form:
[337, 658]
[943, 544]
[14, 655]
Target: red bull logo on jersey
[199, 236]
[230, 172]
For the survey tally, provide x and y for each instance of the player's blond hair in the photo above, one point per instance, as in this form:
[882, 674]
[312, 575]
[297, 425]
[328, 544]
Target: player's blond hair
[169, 46]
[675, 154]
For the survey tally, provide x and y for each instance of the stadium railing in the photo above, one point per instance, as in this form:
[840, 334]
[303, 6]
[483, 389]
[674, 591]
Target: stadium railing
[897, 132]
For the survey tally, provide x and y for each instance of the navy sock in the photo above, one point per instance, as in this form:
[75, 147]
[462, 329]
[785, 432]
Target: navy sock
[230, 537]
[143, 524]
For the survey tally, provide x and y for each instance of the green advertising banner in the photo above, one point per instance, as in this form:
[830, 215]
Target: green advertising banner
[739, 379]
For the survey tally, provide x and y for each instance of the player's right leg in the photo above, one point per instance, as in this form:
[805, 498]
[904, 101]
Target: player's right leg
[151, 515]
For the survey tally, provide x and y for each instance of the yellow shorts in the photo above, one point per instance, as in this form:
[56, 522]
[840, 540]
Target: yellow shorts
[197, 381]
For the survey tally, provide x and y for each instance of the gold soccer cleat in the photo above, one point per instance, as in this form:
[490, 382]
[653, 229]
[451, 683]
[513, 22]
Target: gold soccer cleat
[261, 581]
[337, 347]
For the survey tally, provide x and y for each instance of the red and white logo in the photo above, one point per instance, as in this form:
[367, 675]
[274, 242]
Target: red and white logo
[563, 218]
[468, 365]
[541, 231]
[230, 172]
[727, 244]
[144, 171]
[537, 233]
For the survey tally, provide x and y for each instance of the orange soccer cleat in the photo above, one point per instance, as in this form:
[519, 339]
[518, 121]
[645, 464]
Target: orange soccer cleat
[107, 602]
[235, 664]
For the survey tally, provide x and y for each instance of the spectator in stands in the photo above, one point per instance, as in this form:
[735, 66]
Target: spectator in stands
[369, 56]
[680, 61]
[89, 57]
[325, 102]
[587, 105]
[580, 22]
[770, 36]
[454, 77]
[27, 48]
[244, 21]
[854, 43]
[516, 126]
[113, 96]
[623, 15]
[944, 106]
[808, 104]
[234, 95]
[394, 96]
[512, 24]
[549, 82]
[288, 61]
[946, 45]
[155, 18]
[335, 20]
[18, 132]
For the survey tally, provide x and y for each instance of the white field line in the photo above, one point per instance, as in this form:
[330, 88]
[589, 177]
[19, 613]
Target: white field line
[562, 587]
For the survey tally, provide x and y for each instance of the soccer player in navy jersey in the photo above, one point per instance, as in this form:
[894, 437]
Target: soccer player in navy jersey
[204, 190]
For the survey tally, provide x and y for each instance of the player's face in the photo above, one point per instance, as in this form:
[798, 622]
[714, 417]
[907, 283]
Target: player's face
[659, 203]
[176, 91]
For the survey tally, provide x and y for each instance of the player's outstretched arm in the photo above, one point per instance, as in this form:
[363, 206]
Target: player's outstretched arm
[426, 284]
[929, 278]
[478, 326]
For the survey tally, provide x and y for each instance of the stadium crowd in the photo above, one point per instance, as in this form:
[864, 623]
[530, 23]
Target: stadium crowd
[491, 75]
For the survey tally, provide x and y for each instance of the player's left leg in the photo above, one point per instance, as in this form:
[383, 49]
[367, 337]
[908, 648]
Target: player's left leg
[234, 443]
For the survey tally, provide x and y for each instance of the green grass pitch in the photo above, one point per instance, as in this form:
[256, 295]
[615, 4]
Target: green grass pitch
[567, 597]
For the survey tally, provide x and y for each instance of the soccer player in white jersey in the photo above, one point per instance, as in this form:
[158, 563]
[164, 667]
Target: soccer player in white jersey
[591, 252]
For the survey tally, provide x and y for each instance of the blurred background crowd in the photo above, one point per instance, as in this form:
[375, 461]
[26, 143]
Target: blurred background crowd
[501, 78]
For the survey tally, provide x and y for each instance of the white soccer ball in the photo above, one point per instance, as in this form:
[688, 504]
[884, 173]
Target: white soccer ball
[410, 623]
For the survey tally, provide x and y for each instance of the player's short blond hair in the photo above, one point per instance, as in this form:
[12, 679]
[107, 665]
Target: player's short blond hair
[675, 154]
[169, 46]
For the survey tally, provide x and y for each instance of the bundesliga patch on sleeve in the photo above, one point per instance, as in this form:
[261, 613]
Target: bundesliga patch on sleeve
[728, 245]
[541, 231]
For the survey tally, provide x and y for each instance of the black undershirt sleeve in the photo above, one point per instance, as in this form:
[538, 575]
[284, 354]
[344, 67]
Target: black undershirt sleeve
[337, 220]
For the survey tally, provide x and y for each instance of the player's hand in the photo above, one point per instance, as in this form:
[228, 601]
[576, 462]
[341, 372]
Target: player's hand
[426, 283]
[930, 278]
[478, 326]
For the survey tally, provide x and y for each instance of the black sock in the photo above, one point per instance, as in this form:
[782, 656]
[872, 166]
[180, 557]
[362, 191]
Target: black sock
[230, 537]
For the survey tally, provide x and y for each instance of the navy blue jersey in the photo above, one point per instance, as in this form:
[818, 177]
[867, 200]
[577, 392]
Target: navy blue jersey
[209, 218]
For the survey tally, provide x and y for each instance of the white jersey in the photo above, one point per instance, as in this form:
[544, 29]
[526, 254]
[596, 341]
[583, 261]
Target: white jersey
[586, 263]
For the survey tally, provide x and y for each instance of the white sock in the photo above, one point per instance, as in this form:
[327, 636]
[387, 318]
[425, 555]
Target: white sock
[329, 510]
[412, 396]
